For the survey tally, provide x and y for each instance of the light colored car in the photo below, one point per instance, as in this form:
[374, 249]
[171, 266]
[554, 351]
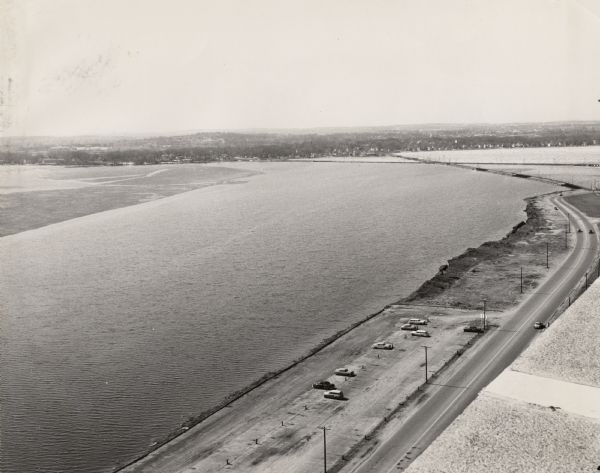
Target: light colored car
[418, 321]
[383, 346]
[344, 372]
[409, 327]
[334, 394]
[420, 333]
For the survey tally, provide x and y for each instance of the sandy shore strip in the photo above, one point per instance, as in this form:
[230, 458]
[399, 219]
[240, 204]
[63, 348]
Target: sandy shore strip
[276, 425]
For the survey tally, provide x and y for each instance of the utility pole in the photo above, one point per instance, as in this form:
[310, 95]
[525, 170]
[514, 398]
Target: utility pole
[325, 429]
[426, 378]
[566, 242]
[547, 254]
[521, 279]
[484, 301]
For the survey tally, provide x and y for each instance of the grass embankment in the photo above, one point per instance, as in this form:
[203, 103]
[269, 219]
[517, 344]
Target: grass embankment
[492, 272]
[587, 203]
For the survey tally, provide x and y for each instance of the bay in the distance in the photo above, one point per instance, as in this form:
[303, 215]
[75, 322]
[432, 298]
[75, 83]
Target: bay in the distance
[117, 326]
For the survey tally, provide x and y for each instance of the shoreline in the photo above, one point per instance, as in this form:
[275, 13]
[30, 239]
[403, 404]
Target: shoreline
[457, 267]
[500, 172]
[439, 283]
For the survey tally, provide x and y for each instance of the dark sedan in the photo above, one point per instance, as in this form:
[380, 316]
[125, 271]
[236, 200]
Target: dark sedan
[473, 328]
[324, 385]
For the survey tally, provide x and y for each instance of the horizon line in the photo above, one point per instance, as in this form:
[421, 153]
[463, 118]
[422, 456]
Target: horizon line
[284, 130]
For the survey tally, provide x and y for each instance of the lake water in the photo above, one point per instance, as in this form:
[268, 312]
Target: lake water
[118, 326]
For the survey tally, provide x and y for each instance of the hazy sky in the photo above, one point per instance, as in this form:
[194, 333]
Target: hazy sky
[122, 66]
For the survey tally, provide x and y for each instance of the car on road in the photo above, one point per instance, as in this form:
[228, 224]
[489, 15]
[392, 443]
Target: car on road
[410, 327]
[418, 321]
[472, 328]
[579, 230]
[334, 394]
[591, 231]
[324, 385]
[420, 333]
[344, 372]
[539, 325]
[383, 346]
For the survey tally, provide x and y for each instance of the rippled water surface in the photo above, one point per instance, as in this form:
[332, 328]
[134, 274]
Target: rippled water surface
[118, 326]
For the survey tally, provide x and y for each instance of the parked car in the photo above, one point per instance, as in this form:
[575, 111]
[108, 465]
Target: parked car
[591, 231]
[334, 394]
[420, 333]
[383, 346]
[344, 372]
[539, 325]
[418, 321]
[409, 327]
[579, 230]
[324, 385]
[473, 328]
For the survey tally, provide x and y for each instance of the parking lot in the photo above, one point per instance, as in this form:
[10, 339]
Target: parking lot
[277, 426]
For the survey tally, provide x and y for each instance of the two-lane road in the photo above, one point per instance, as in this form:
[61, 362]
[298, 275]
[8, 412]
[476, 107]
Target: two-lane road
[454, 392]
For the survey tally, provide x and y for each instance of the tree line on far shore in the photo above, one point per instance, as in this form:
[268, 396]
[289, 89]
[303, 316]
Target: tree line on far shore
[224, 146]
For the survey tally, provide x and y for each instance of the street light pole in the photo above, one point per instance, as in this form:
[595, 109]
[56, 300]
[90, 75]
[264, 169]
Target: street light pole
[426, 378]
[547, 254]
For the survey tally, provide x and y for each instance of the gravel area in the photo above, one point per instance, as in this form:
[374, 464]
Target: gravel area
[501, 435]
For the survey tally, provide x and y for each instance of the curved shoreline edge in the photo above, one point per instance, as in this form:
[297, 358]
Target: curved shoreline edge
[456, 267]
[459, 268]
